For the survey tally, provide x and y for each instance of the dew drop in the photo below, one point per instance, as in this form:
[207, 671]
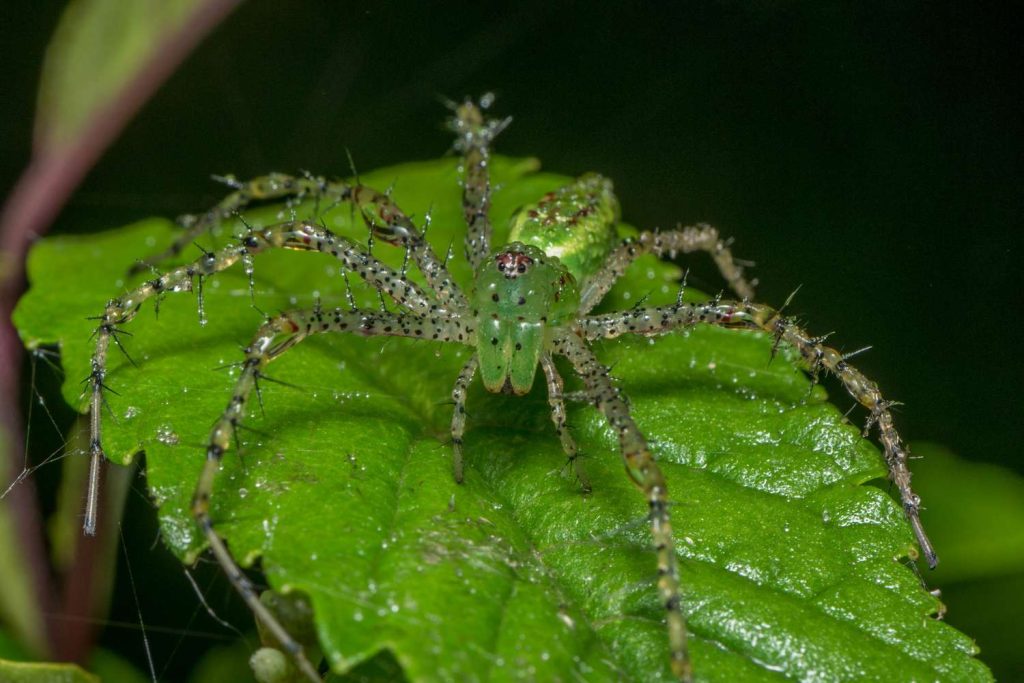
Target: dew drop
[166, 436]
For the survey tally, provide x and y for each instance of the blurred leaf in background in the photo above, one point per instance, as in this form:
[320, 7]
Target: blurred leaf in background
[976, 517]
[105, 44]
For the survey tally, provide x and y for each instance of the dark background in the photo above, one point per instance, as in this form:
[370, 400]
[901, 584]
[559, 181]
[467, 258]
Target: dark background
[870, 152]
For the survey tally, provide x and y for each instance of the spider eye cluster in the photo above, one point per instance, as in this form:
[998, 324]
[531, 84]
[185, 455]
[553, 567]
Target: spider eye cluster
[513, 263]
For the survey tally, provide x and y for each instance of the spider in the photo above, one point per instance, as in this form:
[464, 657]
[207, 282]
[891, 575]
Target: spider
[531, 301]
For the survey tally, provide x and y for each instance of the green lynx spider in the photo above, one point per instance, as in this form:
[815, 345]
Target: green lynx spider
[530, 302]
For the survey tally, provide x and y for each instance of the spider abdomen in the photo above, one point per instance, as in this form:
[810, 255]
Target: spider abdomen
[575, 223]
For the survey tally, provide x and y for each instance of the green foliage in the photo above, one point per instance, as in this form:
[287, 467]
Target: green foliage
[982, 534]
[15, 667]
[104, 43]
[18, 612]
[31, 672]
[790, 564]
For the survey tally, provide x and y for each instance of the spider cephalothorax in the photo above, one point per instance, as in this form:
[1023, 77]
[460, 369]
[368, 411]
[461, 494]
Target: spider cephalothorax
[517, 301]
[530, 302]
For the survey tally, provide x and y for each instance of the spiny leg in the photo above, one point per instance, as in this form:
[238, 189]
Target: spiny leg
[274, 338]
[700, 237]
[734, 314]
[474, 135]
[555, 400]
[264, 188]
[646, 474]
[378, 210]
[390, 224]
[459, 414]
[298, 235]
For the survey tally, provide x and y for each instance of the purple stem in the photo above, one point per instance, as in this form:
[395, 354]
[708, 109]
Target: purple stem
[37, 198]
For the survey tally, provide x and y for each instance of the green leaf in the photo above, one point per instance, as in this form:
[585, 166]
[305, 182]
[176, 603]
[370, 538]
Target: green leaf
[790, 564]
[19, 612]
[16, 665]
[34, 672]
[979, 530]
[111, 668]
[105, 44]
[982, 532]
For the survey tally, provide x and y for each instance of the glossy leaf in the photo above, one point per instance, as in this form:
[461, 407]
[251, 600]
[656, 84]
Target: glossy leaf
[791, 564]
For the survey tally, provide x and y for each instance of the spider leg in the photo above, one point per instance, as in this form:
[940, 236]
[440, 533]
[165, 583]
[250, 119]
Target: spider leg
[390, 224]
[645, 473]
[378, 210]
[459, 414]
[264, 188]
[555, 400]
[274, 338]
[816, 355]
[474, 135]
[300, 235]
[700, 237]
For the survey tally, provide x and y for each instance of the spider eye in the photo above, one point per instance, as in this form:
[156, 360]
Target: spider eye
[501, 266]
[521, 268]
